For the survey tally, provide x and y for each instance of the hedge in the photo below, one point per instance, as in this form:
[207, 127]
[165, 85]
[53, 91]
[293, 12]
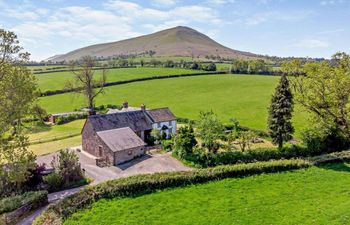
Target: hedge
[108, 84]
[142, 184]
[14, 207]
[203, 159]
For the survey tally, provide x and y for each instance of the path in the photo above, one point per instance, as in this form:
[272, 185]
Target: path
[150, 163]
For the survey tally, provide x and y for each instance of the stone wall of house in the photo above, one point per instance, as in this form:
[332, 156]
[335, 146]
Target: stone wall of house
[128, 154]
[89, 139]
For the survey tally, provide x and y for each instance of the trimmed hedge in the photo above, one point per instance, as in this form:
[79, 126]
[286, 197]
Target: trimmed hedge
[14, 207]
[142, 184]
[108, 84]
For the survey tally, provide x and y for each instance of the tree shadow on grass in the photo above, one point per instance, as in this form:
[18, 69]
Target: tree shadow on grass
[38, 128]
[340, 166]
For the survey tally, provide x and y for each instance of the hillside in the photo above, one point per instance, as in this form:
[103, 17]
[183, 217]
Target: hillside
[178, 41]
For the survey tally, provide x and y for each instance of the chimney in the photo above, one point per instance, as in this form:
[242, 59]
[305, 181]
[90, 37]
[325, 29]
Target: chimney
[125, 104]
[143, 107]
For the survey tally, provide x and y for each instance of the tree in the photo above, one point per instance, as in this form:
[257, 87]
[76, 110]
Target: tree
[209, 130]
[85, 82]
[280, 113]
[324, 91]
[244, 140]
[18, 94]
[184, 141]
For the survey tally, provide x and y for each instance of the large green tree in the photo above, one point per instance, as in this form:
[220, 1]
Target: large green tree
[324, 91]
[209, 130]
[280, 113]
[18, 94]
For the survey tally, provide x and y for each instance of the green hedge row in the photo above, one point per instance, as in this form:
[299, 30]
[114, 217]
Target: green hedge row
[14, 207]
[142, 184]
[156, 77]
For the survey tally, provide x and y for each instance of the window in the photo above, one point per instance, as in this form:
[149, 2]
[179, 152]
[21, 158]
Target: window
[100, 152]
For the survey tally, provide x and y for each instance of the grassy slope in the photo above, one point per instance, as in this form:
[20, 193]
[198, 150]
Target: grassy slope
[45, 132]
[50, 131]
[53, 146]
[245, 97]
[311, 196]
[57, 81]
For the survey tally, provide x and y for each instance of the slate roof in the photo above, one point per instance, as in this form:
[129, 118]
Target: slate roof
[160, 115]
[120, 139]
[136, 120]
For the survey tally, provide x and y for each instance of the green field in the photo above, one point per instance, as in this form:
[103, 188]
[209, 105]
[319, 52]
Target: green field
[245, 97]
[55, 137]
[42, 131]
[318, 195]
[57, 80]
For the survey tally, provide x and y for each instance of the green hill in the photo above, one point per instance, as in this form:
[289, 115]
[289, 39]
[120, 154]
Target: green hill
[178, 41]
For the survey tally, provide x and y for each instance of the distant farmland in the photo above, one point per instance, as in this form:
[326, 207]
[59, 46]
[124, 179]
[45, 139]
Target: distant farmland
[245, 97]
[57, 80]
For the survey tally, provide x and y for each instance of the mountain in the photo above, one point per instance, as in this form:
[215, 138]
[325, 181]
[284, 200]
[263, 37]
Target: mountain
[177, 41]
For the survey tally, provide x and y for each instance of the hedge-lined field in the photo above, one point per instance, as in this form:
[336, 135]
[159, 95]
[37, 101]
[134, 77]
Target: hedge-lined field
[317, 195]
[57, 80]
[245, 97]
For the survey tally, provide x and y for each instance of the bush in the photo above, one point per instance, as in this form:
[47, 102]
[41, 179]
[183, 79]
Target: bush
[53, 181]
[318, 141]
[142, 184]
[11, 203]
[66, 119]
[209, 67]
[167, 145]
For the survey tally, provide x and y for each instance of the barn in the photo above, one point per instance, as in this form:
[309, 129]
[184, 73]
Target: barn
[119, 137]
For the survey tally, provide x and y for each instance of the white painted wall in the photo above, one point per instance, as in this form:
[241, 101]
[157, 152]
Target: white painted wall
[170, 124]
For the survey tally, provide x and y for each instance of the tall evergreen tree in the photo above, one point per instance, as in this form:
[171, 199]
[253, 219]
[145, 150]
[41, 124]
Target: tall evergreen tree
[280, 113]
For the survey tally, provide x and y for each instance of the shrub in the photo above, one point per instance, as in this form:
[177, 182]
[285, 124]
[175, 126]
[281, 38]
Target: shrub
[184, 141]
[66, 119]
[142, 184]
[11, 203]
[53, 181]
[167, 145]
[209, 67]
[320, 141]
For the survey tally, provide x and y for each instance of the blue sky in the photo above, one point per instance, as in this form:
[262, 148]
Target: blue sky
[315, 28]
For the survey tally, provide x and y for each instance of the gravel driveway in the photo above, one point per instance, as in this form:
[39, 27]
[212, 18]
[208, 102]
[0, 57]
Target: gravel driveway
[149, 163]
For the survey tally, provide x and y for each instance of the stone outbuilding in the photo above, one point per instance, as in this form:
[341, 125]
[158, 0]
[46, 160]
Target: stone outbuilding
[119, 137]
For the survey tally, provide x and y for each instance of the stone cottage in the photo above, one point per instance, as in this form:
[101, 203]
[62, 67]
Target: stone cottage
[119, 137]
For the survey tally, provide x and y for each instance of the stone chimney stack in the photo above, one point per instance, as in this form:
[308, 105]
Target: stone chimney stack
[125, 104]
[143, 107]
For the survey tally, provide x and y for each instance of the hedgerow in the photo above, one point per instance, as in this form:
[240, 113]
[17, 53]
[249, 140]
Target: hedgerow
[142, 184]
[29, 200]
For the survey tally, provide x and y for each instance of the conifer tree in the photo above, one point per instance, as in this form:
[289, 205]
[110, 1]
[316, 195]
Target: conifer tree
[280, 113]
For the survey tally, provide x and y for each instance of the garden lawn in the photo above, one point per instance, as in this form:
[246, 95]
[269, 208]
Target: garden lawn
[245, 97]
[42, 132]
[54, 146]
[57, 80]
[318, 195]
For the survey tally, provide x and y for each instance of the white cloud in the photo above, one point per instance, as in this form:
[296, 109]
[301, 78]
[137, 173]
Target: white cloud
[220, 2]
[333, 2]
[164, 3]
[274, 16]
[311, 44]
[77, 26]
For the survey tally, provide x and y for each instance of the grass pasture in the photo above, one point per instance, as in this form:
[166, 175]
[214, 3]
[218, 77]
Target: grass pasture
[245, 97]
[57, 80]
[317, 195]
